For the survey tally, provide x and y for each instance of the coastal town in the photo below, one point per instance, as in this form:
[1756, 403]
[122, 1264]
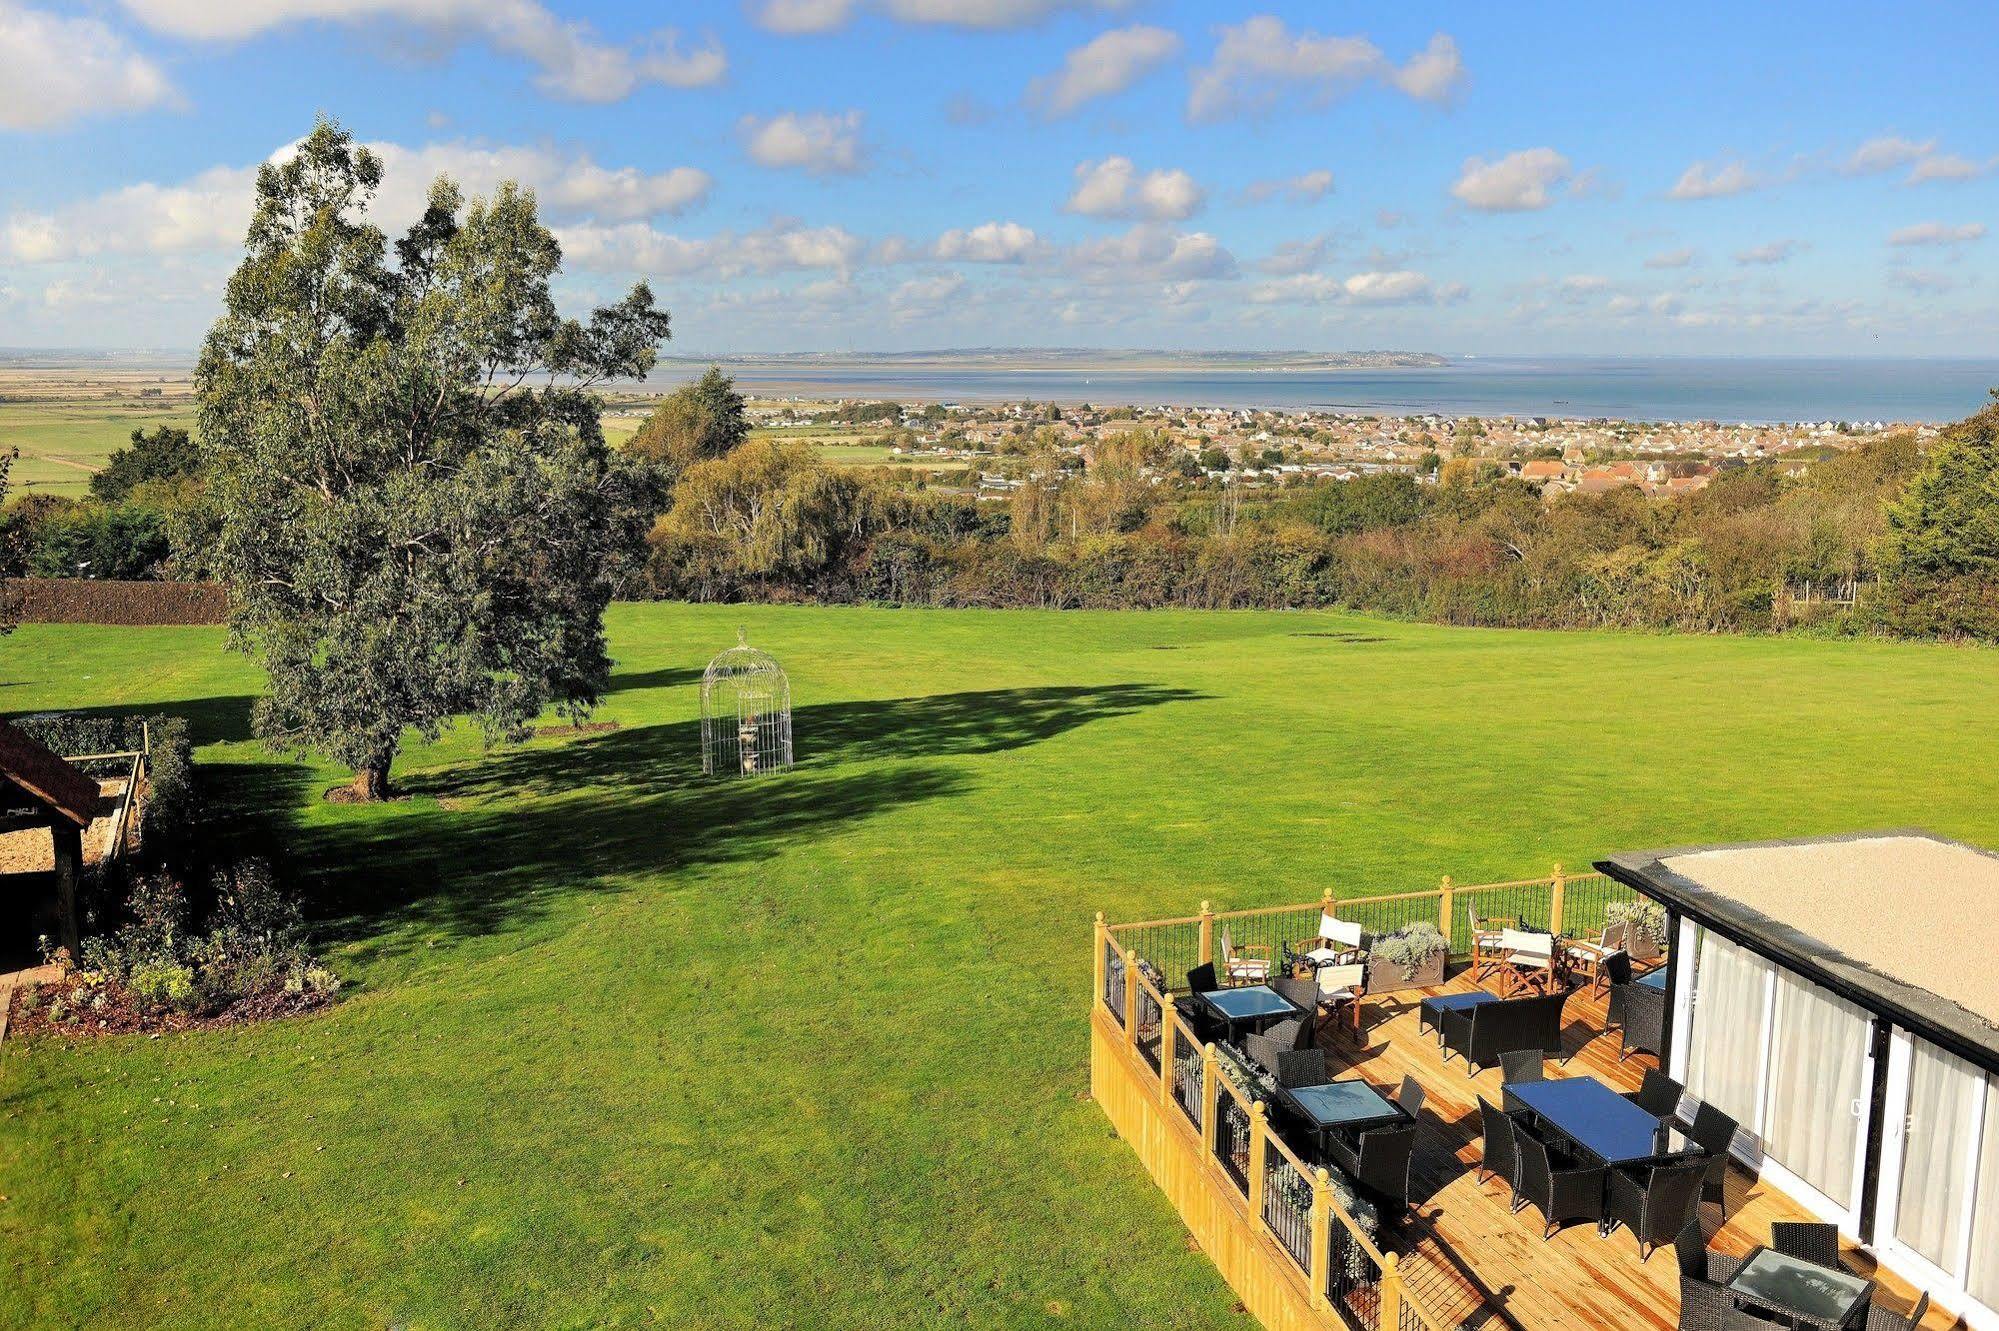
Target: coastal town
[1264, 448]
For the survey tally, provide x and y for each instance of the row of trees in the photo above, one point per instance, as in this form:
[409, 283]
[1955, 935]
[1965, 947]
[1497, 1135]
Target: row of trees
[1123, 527]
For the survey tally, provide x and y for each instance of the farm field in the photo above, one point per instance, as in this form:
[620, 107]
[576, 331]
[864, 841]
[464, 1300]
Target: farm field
[66, 423]
[624, 1048]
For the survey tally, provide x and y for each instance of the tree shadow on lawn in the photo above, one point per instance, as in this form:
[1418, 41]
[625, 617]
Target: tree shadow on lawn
[541, 821]
[670, 678]
[652, 758]
[474, 871]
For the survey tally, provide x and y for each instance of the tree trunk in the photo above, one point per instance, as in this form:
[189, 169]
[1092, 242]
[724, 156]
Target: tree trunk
[371, 782]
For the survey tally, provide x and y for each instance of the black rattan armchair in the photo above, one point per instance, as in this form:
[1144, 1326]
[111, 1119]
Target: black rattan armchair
[1808, 1241]
[1380, 1165]
[1410, 1097]
[1560, 1192]
[1641, 1011]
[1302, 1067]
[1714, 1132]
[1302, 992]
[1655, 1202]
[1517, 1065]
[1659, 1096]
[1201, 979]
[1264, 1050]
[1709, 1307]
[1696, 1262]
[1880, 1319]
[1498, 1157]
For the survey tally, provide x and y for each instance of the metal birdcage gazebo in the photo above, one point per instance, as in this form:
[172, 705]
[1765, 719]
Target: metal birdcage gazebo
[745, 713]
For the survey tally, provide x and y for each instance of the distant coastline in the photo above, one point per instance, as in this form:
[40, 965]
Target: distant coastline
[1734, 389]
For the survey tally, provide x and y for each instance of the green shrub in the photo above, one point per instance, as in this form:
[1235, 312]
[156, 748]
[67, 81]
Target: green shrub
[163, 984]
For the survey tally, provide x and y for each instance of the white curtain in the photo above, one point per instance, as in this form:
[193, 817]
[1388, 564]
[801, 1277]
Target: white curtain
[1818, 1062]
[1945, 1095]
[1725, 1056]
[1984, 1274]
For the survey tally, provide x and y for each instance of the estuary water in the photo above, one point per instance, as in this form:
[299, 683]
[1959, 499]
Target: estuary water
[1727, 389]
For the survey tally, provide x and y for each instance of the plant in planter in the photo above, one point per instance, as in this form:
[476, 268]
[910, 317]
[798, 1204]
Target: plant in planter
[1639, 925]
[1412, 957]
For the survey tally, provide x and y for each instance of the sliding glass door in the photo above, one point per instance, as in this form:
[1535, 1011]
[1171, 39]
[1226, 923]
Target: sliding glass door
[1939, 1217]
[1791, 1063]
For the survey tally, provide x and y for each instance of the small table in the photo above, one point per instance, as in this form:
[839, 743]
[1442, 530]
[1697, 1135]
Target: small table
[1803, 1291]
[1653, 980]
[1350, 1105]
[1250, 1005]
[1430, 1012]
[1597, 1119]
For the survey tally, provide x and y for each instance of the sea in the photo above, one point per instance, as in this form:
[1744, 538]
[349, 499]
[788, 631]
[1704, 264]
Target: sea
[1755, 390]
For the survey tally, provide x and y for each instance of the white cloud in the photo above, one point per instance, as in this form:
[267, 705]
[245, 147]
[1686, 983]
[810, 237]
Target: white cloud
[1679, 258]
[1150, 252]
[1115, 188]
[1705, 180]
[1777, 251]
[1309, 187]
[55, 70]
[813, 141]
[1937, 233]
[987, 13]
[1297, 256]
[988, 242]
[1517, 182]
[1256, 62]
[1949, 166]
[1922, 281]
[1106, 64]
[925, 295]
[783, 245]
[1399, 287]
[1885, 152]
[210, 211]
[798, 16]
[574, 62]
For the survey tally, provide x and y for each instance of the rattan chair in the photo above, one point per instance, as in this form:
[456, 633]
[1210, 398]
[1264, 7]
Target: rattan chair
[1380, 1164]
[1201, 979]
[1517, 1065]
[1808, 1241]
[1302, 1067]
[1497, 1155]
[1655, 1202]
[1709, 1307]
[1410, 1097]
[1265, 1050]
[1302, 991]
[1641, 1017]
[1880, 1319]
[1697, 1262]
[1714, 1132]
[1659, 1096]
[1560, 1192]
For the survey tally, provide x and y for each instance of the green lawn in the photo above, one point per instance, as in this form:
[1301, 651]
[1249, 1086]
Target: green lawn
[627, 1049]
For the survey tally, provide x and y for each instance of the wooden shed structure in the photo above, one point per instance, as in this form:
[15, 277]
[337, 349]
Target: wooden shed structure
[40, 789]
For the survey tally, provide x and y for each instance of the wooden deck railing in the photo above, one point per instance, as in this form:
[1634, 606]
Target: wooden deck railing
[1291, 1208]
[1562, 903]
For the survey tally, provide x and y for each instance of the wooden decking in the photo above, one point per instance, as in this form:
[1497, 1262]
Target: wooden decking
[1470, 1258]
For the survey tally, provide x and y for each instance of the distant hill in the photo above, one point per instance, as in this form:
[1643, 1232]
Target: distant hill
[1078, 358]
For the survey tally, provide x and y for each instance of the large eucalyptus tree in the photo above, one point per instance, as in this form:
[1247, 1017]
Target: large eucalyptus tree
[420, 518]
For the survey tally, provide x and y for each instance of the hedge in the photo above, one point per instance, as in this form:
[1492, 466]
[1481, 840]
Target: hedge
[105, 601]
[173, 801]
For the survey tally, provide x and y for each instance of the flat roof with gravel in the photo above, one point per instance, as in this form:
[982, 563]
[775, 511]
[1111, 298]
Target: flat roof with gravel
[1902, 916]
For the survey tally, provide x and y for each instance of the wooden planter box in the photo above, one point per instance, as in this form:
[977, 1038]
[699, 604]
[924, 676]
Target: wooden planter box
[1385, 977]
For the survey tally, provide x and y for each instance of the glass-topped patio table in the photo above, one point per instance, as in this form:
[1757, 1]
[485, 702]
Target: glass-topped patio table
[1348, 1106]
[1801, 1292]
[1654, 980]
[1595, 1118]
[1252, 1006]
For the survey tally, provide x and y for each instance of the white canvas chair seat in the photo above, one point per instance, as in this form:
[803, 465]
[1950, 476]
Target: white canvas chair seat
[1526, 948]
[1240, 969]
[1339, 984]
[1341, 942]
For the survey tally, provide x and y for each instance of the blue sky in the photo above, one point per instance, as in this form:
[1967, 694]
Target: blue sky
[887, 174]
